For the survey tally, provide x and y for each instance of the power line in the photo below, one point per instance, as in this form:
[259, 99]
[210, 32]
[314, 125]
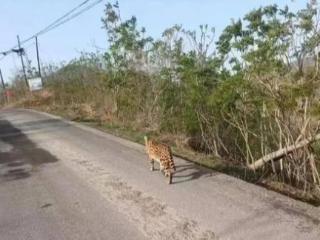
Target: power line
[58, 22]
[71, 17]
[55, 22]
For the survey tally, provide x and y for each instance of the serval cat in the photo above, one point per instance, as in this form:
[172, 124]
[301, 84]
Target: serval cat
[161, 153]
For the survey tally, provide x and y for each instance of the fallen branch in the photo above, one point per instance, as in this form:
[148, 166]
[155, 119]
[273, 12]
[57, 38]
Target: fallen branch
[282, 152]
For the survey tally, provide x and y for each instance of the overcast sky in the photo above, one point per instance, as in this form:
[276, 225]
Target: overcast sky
[85, 33]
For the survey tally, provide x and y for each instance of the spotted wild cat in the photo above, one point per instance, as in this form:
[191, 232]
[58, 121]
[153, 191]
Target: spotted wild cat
[161, 153]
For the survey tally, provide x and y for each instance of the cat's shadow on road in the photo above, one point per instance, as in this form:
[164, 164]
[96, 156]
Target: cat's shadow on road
[190, 171]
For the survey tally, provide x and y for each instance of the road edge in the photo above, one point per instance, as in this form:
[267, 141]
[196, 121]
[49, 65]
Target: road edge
[140, 148]
[99, 132]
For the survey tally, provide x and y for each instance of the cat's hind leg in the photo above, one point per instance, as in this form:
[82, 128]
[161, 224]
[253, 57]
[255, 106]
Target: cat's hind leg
[151, 164]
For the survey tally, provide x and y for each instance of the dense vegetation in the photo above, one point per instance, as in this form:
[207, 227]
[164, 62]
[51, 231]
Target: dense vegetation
[250, 91]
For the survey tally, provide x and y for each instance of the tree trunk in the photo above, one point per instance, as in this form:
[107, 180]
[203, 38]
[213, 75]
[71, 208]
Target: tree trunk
[281, 152]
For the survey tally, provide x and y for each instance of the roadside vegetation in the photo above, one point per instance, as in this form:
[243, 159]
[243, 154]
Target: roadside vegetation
[223, 101]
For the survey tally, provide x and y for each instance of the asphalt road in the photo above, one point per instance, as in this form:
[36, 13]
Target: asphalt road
[62, 180]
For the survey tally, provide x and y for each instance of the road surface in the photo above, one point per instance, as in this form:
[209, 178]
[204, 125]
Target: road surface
[62, 180]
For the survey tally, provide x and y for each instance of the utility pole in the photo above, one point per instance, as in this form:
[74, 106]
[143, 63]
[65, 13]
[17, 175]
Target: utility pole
[38, 59]
[2, 82]
[20, 51]
[3, 87]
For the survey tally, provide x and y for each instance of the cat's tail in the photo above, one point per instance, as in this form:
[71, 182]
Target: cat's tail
[172, 165]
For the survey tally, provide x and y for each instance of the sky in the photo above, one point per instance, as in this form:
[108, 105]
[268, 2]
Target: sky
[85, 33]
